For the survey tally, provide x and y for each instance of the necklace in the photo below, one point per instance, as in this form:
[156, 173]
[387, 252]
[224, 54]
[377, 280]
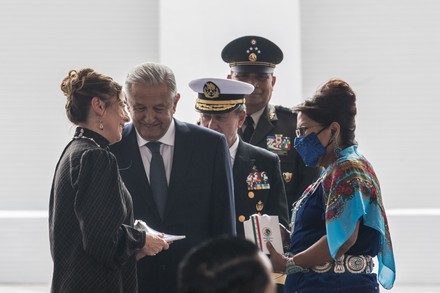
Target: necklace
[81, 135]
[297, 205]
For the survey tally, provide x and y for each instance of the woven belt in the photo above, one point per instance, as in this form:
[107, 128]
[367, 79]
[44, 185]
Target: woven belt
[355, 264]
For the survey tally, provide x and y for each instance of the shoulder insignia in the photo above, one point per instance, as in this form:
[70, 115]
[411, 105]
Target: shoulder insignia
[271, 113]
[284, 110]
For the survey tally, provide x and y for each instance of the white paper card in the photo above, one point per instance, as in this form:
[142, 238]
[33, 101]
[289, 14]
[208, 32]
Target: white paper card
[260, 229]
[141, 225]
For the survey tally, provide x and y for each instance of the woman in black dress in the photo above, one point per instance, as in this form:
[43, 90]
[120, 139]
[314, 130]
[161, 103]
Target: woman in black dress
[93, 243]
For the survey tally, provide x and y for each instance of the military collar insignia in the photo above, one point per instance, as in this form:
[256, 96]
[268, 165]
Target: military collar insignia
[271, 113]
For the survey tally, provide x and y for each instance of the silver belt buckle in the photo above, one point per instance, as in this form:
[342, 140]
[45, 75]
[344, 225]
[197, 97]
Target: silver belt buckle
[357, 264]
[339, 265]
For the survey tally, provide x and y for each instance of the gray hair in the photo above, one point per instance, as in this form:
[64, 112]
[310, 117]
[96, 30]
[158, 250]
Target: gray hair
[151, 74]
[240, 108]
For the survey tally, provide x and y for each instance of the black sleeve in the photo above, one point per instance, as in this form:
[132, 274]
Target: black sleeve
[101, 210]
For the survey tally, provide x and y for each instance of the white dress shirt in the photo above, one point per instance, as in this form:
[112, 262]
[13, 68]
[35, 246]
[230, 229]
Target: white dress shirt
[233, 150]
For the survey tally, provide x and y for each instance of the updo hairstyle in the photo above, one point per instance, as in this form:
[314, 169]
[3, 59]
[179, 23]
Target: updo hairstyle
[81, 86]
[334, 101]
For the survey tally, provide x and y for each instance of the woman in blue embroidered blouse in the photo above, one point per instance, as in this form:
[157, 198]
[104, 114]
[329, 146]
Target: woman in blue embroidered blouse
[339, 223]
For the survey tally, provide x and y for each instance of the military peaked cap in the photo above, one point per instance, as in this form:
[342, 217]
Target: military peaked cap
[252, 54]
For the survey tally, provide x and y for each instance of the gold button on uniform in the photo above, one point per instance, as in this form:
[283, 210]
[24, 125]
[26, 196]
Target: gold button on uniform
[251, 194]
[241, 218]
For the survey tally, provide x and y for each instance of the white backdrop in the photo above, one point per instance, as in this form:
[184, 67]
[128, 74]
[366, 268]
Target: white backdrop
[193, 34]
[39, 43]
[387, 50]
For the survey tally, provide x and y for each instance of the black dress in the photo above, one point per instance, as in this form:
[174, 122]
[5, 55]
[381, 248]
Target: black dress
[90, 216]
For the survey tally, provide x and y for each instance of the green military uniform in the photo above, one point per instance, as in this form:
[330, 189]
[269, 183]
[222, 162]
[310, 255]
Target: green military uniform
[275, 130]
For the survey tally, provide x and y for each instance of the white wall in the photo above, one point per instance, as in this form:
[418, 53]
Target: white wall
[194, 32]
[40, 42]
[389, 52]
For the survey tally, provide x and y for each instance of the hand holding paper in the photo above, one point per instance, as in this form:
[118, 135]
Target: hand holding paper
[261, 229]
[141, 225]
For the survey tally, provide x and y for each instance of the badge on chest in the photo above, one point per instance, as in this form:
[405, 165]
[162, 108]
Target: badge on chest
[279, 144]
[257, 180]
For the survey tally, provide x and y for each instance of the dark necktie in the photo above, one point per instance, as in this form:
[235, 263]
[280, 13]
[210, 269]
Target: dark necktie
[158, 177]
[247, 134]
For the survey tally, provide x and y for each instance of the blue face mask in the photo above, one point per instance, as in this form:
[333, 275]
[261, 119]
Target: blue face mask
[310, 148]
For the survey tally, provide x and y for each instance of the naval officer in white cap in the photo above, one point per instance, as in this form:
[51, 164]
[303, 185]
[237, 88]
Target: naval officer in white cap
[258, 185]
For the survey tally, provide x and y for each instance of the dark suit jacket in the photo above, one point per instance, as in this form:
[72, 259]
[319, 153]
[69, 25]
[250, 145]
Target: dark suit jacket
[200, 200]
[273, 200]
[277, 120]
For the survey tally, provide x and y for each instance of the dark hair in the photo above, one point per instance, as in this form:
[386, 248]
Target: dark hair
[335, 101]
[81, 86]
[223, 264]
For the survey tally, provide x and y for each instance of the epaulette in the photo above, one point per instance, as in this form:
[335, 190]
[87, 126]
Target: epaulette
[284, 110]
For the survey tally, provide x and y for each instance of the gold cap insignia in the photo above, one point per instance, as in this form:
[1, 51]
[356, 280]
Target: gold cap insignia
[211, 90]
[252, 57]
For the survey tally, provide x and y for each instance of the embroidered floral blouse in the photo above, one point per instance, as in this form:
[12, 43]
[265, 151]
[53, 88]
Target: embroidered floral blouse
[348, 190]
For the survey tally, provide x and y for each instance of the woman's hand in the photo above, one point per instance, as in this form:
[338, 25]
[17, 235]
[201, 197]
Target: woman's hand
[278, 260]
[153, 245]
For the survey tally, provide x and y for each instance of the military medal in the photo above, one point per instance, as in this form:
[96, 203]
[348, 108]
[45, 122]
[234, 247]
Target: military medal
[257, 181]
[279, 144]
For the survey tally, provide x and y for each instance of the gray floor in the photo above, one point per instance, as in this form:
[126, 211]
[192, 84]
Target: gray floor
[41, 288]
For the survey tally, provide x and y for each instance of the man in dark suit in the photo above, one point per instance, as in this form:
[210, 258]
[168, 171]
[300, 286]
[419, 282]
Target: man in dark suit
[197, 200]
[252, 59]
[258, 186]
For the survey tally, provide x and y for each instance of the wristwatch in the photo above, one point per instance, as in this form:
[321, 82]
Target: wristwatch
[293, 268]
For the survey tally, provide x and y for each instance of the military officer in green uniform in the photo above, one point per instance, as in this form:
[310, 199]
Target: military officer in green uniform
[258, 185]
[252, 59]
